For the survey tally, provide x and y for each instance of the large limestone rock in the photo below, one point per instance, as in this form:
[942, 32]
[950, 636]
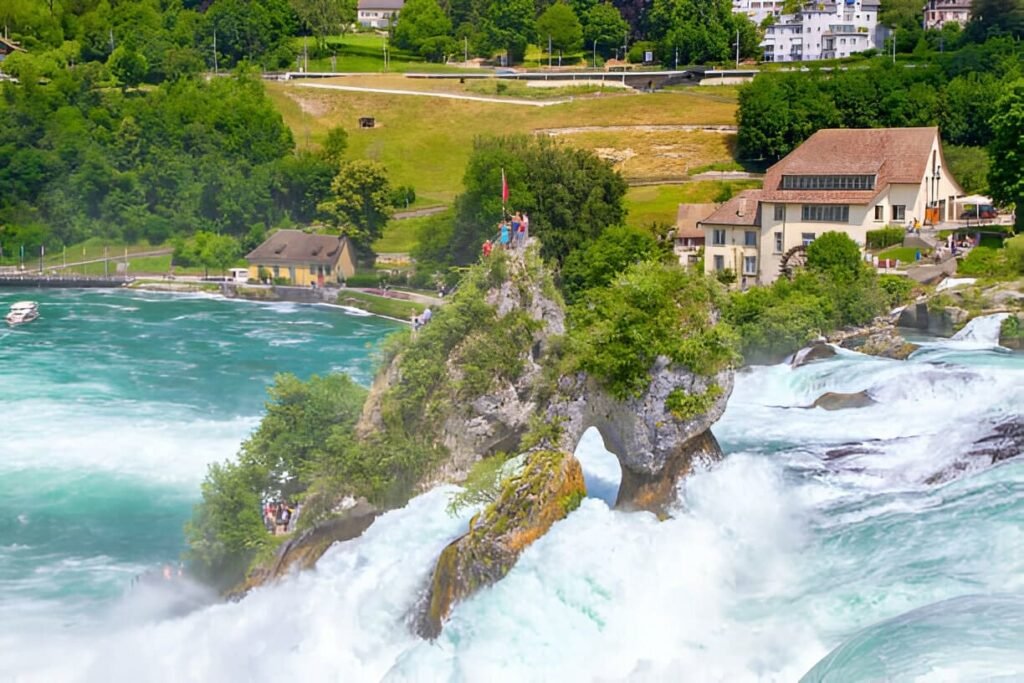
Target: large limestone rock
[548, 488]
[302, 551]
[837, 401]
[654, 446]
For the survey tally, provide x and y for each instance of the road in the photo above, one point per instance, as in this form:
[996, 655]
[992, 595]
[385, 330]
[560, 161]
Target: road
[441, 95]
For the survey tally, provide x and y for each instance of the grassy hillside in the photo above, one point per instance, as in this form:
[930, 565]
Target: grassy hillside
[425, 142]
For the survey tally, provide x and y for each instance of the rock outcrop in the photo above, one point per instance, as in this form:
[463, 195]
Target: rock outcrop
[809, 354]
[837, 401]
[302, 551]
[941, 321]
[886, 344]
[549, 487]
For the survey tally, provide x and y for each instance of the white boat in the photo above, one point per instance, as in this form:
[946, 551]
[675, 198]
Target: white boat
[22, 312]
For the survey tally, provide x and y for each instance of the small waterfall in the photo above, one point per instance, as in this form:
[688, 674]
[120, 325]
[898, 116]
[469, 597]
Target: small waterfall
[982, 330]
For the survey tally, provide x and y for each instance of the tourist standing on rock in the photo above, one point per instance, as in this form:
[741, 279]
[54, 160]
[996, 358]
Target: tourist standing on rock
[526, 227]
[487, 248]
[505, 235]
[517, 220]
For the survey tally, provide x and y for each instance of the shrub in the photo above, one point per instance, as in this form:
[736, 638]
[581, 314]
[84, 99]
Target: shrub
[986, 262]
[834, 252]
[684, 405]
[895, 288]
[653, 309]
[364, 280]
[885, 237]
[1015, 253]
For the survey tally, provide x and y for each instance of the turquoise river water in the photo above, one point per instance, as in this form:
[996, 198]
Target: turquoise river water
[821, 548]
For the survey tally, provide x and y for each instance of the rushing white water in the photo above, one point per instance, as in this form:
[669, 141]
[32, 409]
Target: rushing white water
[818, 533]
[982, 330]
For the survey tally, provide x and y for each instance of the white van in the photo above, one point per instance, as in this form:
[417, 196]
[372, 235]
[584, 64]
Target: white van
[240, 275]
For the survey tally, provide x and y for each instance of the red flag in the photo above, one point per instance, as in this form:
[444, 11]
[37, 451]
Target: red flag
[504, 187]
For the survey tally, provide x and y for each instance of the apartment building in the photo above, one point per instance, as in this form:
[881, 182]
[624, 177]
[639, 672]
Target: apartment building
[824, 31]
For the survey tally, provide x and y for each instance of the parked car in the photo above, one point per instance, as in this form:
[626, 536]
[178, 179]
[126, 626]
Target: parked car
[981, 211]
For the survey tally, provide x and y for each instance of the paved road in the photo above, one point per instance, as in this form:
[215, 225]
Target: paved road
[441, 95]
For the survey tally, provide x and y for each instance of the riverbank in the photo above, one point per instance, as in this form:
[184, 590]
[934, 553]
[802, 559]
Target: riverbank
[390, 307]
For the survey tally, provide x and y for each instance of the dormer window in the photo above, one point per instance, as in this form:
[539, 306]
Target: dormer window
[828, 182]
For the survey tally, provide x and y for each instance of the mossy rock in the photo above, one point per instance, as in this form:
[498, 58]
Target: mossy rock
[547, 489]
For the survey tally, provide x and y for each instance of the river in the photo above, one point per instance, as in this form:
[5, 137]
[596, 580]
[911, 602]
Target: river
[818, 533]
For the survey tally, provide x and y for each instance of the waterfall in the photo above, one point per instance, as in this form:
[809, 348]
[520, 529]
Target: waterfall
[982, 330]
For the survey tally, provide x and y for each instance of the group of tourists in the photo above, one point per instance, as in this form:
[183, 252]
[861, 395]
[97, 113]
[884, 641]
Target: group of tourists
[278, 516]
[513, 232]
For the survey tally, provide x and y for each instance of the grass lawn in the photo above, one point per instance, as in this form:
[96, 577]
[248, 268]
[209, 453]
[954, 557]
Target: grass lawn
[380, 305]
[426, 142]
[904, 254]
[400, 235]
[364, 52]
[649, 204]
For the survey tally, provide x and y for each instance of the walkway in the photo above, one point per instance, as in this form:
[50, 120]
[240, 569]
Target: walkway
[441, 95]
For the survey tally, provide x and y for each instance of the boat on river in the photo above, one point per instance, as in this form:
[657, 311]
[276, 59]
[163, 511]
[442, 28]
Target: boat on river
[22, 312]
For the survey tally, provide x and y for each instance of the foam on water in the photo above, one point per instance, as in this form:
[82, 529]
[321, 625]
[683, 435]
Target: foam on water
[817, 534]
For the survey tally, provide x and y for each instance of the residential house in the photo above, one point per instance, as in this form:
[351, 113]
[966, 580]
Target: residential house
[378, 13]
[823, 30]
[938, 13]
[846, 180]
[688, 237]
[8, 47]
[303, 259]
[758, 10]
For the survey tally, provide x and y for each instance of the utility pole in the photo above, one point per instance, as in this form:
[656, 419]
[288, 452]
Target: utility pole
[305, 56]
[677, 59]
[215, 71]
[465, 49]
[737, 48]
[549, 51]
[595, 53]
[625, 46]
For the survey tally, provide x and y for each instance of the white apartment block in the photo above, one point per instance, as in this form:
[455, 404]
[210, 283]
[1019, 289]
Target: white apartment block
[839, 180]
[758, 10]
[938, 13]
[824, 31]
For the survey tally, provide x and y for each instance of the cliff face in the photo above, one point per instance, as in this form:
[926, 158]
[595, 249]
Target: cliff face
[489, 374]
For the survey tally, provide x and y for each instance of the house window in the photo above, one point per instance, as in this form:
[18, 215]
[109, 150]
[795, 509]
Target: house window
[778, 243]
[277, 272]
[806, 238]
[780, 212]
[899, 212]
[750, 265]
[719, 263]
[312, 270]
[825, 213]
[718, 237]
[828, 182]
[879, 213]
[327, 270]
[750, 238]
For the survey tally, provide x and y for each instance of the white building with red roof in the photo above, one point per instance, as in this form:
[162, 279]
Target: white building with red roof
[846, 180]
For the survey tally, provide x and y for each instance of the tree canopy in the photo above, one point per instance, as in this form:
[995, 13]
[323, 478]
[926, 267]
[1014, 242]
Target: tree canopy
[559, 23]
[1006, 177]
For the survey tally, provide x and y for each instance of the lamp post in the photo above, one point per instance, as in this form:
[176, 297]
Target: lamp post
[549, 51]
[595, 53]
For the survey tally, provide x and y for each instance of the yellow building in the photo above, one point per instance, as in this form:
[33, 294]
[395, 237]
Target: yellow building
[303, 259]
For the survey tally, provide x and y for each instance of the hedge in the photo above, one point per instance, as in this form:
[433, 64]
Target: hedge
[886, 237]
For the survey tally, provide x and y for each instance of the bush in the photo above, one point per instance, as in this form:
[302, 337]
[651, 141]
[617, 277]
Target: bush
[364, 280]
[885, 237]
[653, 309]
[606, 257]
[896, 289]
[986, 262]
[636, 52]
[834, 252]
[1015, 253]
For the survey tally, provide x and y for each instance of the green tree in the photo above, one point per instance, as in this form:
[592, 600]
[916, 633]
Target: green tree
[996, 17]
[834, 253]
[570, 195]
[901, 14]
[508, 25]
[560, 23]
[701, 30]
[606, 257]
[335, 145]
[420, 21]
[128, 66]
[1006, 150]
[604, 28]
[969, 165]
[360, 203]
[325, 18]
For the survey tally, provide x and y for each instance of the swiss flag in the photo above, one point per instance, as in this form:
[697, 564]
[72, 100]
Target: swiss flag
[504, 187]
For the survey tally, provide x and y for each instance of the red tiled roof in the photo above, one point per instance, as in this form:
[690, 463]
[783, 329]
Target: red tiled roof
[743, 209]
[687, 218]
[893, 155]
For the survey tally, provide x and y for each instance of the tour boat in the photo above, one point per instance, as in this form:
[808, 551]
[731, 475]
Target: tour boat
[22, 312]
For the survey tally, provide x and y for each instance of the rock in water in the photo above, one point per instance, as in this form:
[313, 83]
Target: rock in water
[302, 551]
[809, 354]
[887, 344]
[549, 487]
[837, 401]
